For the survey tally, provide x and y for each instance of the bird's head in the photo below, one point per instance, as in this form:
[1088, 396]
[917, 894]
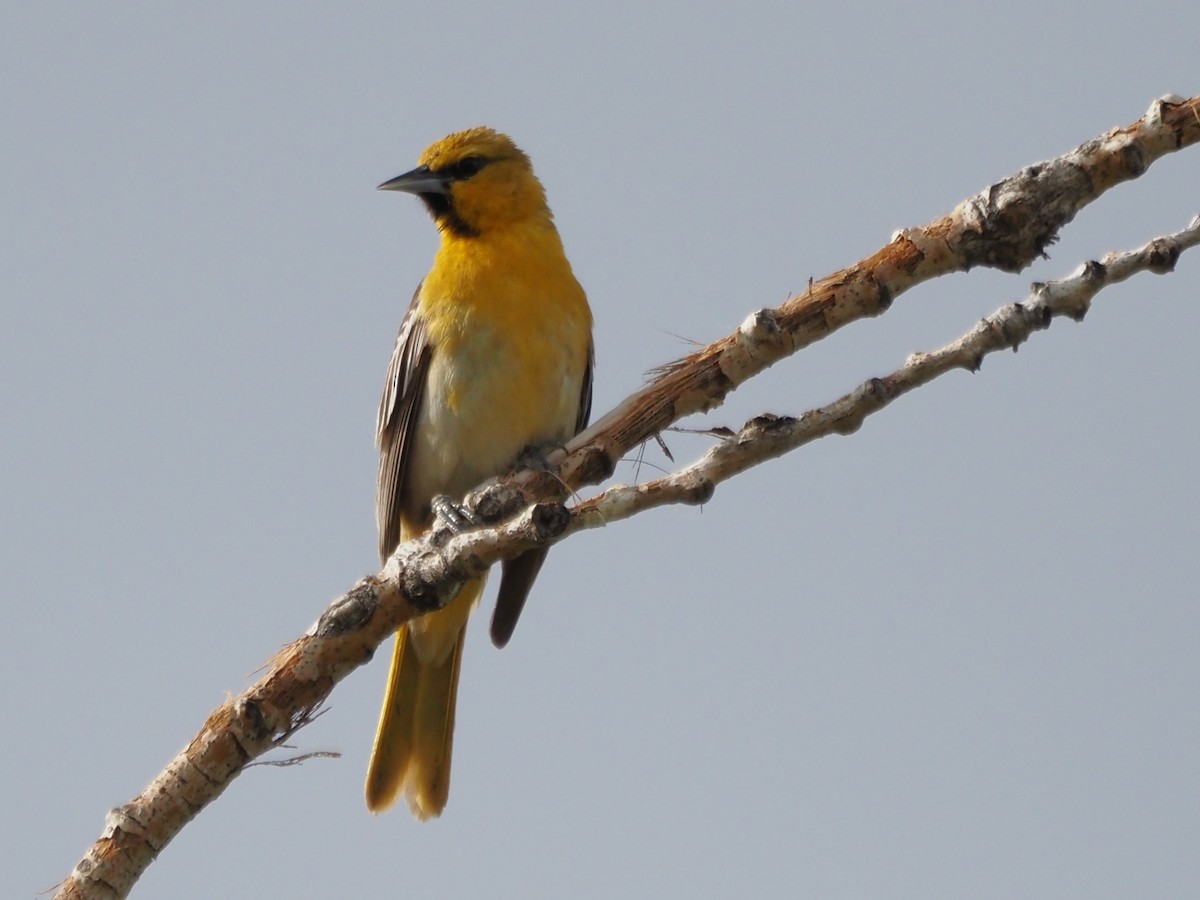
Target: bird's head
[473, 182]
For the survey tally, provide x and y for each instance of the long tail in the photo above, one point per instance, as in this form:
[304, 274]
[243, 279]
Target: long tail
[416, 727]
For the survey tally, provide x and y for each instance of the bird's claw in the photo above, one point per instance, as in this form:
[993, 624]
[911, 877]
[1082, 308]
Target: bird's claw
[450, 514]
[536, 456]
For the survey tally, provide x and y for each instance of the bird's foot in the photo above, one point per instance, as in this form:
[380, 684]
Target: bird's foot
[450, 514]
[535, 456]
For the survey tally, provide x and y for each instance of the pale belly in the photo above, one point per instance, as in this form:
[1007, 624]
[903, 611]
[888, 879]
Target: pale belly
[480, 412]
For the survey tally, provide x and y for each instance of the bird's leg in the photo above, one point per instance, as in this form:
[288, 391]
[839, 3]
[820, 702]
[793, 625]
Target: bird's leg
[450, 514]
[535, 456]
[458, 518]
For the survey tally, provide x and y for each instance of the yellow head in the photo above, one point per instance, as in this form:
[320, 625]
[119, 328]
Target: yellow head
[475, 181]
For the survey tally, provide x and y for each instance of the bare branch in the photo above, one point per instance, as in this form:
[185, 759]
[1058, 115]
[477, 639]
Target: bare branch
[419, 577]
[1006, 226]
[766, 437]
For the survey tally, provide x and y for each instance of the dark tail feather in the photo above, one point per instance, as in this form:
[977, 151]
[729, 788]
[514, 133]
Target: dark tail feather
[516, 578]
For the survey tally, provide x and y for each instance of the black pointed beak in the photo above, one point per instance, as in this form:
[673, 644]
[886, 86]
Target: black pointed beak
[419, 181]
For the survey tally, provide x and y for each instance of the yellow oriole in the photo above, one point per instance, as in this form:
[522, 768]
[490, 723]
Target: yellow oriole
[494, 355]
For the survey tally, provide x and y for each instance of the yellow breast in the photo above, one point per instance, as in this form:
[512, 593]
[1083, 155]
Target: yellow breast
[510, 330]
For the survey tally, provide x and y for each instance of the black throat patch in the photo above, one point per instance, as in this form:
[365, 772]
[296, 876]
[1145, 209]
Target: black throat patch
[442, 209]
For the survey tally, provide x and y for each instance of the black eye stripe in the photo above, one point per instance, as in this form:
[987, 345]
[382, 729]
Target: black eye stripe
[464, 168]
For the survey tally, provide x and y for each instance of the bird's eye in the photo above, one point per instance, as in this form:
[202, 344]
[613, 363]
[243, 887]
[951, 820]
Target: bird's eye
[465, 167]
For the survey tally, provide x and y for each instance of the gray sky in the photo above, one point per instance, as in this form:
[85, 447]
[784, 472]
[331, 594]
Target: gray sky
[955, 654]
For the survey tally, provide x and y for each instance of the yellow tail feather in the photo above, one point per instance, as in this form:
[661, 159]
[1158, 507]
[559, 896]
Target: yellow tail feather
[416, 727]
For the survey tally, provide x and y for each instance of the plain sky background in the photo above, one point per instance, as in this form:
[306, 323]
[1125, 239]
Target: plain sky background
[956, 654]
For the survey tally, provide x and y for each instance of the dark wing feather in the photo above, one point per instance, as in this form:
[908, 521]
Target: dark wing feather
[402, 393]
[585, 394]
[517, 574]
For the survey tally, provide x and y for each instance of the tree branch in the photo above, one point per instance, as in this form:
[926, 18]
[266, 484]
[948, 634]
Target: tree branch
[1005, 226]
[766, 436]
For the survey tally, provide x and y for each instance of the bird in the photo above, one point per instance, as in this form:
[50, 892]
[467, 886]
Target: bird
[493, 359]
